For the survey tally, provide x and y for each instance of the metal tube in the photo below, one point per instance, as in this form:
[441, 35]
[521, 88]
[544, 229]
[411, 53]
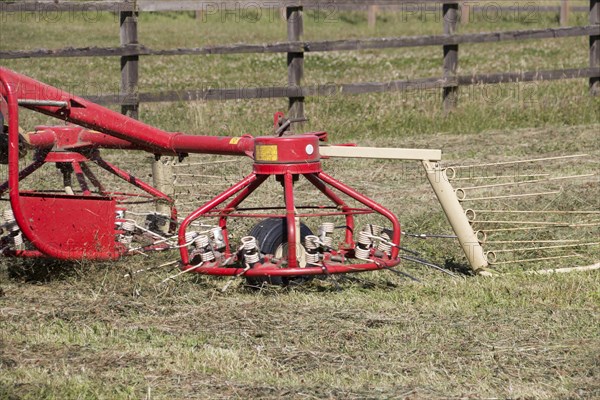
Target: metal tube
[455, 214]
[10, 92]
[312, 178]
[241, 196]
[92, 116]
[131, 179]
[396, 230]
[185, 257]
[292, 232]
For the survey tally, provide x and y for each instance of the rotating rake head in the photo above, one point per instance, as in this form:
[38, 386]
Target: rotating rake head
[87, 207]
[77, 216]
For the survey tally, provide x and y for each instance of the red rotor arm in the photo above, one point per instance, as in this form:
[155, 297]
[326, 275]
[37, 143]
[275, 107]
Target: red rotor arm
[60, 104]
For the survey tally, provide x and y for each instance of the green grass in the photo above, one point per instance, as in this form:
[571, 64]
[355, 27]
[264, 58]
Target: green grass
[87, 336]
[82, 331]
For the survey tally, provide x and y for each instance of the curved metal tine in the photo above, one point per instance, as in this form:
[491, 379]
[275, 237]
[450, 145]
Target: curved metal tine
[428, 264]
[520, 161]
[429, 235]
[403, 274]
[410, 251]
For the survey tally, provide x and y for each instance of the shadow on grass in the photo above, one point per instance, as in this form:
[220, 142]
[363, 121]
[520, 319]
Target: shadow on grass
[41, 270]
[320, 284]
[459, 267]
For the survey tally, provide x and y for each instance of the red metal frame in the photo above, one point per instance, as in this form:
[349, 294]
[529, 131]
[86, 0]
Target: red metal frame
[286, 157]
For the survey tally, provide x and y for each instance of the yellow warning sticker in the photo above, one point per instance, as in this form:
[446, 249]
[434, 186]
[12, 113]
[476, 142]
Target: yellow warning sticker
[266, 152]
[234, 140]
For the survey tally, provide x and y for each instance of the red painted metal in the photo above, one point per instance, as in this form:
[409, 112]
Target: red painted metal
[290, 216]
[185, 258]
[297, 149]
[24, 173]
[288, 165]
[83, 226]
[76, 225]
[396, 231]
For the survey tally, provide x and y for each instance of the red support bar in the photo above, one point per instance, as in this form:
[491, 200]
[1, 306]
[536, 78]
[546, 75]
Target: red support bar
[30, 169]
[312, 178]
[81, 178]
[92, 116]
[371, 204]
[275, 271]
[92, 177]
[288, 187]
[185, 257]
[131, 179]
[223, 214]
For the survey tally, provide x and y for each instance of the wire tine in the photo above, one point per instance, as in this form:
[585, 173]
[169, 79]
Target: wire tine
[546, 247]
[535, 259]
[403, 274]
[426, 263]
[537, 212]
[521, 222]
[558, 178]
[582, 225]
[510, 196]
[414, 253]
[185, 271]
[200, 175]
[204, 163]
[520, 161]
[151, 268]
[541, 227]
[472, 178]
[531, 241]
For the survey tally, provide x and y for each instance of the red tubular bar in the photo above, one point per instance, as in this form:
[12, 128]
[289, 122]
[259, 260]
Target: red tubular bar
[79, 175]
[312, 178]
[185, 257]
[247, 191]
[371, 204]
[30, 169]
[47, 137]
[90, 115]
[151, 190]
[288, 187]
[131, 179]
[92, 177]
[13, 183]
[274, 271]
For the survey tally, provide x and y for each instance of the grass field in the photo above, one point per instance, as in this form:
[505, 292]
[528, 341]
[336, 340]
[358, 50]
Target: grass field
[83, 331]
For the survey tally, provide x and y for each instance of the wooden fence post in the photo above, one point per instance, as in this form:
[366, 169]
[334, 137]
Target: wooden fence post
[162, 175]
[465, 12]
[295, 62]
[595, 46]
[163, 179]
[450, 17]
[372, 16]
[564, 12]
[129, 65]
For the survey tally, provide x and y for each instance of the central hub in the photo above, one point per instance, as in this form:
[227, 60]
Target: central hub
[295, 154]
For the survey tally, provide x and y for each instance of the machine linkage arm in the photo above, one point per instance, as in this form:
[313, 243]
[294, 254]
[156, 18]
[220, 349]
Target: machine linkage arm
[60, 104]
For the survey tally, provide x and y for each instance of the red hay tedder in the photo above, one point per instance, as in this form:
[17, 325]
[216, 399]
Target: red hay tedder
[92, 222]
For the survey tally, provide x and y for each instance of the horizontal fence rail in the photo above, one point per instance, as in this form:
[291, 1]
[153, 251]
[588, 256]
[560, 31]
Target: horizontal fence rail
[194, 5]
[452, 13]
[349, 89]
[308, 47]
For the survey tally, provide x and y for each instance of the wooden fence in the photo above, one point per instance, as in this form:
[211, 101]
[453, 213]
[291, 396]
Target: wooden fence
[130, 49]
